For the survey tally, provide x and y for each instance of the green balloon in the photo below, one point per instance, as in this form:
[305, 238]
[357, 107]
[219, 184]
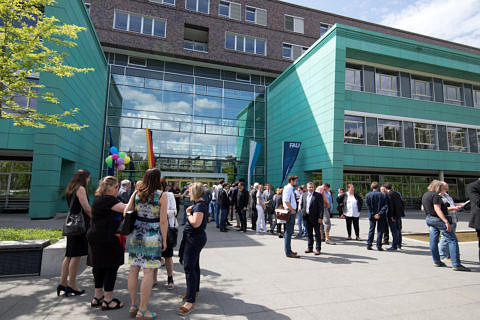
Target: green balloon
[109, 161]
[121, 154]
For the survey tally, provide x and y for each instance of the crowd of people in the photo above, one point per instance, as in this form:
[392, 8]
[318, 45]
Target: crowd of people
[157, 205]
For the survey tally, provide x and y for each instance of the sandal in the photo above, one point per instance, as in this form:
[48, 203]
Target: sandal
[182, 311]
[170, 285]
[142, 317]
[133, 310]
[98, 302]
[117, 306]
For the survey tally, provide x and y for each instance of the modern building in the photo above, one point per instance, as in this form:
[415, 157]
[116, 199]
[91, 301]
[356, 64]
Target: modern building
[369, 106]
[37, 164]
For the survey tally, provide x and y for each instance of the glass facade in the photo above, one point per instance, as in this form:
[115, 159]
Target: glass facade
[15, 179]
[202, 119]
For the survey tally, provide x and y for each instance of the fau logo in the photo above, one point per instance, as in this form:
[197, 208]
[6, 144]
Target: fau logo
[294, 145]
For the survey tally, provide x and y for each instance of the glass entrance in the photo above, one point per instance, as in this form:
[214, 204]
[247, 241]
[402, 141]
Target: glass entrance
[15, 179]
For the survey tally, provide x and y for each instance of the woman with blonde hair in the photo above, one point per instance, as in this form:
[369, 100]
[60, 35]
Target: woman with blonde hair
[438, 222]
[147, 241]
[194, 238]
[105, 246]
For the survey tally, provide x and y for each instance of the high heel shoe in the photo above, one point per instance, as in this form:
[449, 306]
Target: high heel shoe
[61, 288]
[70, 291]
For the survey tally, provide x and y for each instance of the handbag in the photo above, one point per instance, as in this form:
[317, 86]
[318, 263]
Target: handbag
[282, 214]
[74, 224]
[128, 223]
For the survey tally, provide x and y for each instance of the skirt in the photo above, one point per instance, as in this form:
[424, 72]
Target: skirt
[77, 246]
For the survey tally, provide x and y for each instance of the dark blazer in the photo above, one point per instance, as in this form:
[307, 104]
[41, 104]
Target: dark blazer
[376, 204]
[123, 195]
[222, 199]
[357, 197]
[396, 206]
[473, 190]
[233, 197]
[316, 207]
[242, 199]
[340, 204]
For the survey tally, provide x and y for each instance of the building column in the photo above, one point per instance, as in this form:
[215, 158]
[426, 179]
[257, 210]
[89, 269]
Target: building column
[441, 175]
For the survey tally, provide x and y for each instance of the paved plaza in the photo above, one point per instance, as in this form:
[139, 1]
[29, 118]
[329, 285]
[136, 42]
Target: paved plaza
[246, 276]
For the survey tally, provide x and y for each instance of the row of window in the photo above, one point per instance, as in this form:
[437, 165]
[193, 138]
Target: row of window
[233, 10]
[140, 24]
[245, 43]
[405, 134]
[394, 83]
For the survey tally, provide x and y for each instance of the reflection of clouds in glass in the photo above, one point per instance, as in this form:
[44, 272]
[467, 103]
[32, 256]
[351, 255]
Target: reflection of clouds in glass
[214, 104]
[134, 140]
[142, 99]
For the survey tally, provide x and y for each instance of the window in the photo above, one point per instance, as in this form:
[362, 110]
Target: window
[353, 78]
[324, 28]
[457, 139]
[137, 61]
[421, 89]
[390, 133]
[476, 97]
[243, 77]
[243, 43]
[202, 6]
[195, 38]
[453, 93]
[140, 24]
[169, 2]
[256, 15]
[292, 52]
[386, 83]
[354, 130]
[294, 24]
[425, 137]
[230, 10]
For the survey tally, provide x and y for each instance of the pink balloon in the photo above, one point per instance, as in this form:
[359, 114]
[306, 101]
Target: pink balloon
[120, 160]
[115, 156]
[121, 167]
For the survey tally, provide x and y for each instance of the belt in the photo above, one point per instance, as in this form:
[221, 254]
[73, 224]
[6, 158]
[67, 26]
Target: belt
[148, 220]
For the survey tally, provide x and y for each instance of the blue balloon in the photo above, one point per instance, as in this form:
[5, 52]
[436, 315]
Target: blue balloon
[113, 150]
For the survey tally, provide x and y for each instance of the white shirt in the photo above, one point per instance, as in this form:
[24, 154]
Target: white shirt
[309, 199]
[288, 195]
[172, 210]
[352, 207]
[447, 199]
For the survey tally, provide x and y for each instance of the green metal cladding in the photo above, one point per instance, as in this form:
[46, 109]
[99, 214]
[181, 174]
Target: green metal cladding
[307, 103]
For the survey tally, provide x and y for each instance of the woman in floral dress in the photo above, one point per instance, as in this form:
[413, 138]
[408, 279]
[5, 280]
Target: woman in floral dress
[147, 241]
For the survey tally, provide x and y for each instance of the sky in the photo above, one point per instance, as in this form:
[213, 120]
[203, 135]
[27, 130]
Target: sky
[453, 20]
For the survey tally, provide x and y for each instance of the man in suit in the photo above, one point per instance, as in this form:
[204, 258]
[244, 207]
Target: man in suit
[395, 213]
[268, 197]
[253, 205]
[124, 192]
[223, 205]
[473, 190]
[377, 214]
[241, 204]
[311, 207]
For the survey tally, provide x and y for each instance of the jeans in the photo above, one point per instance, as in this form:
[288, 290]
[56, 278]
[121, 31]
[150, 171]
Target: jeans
[443, 245]
[243, 219]
[211, 208]
[478, 236]
[311, 227]
[194, 243]
[287, 240]
[437, 226]
[216, 214]
[395, 227]
[302, 229]
[223, 218]
[380, 224]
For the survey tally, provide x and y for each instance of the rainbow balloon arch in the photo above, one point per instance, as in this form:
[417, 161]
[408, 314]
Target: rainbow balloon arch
[117, 159]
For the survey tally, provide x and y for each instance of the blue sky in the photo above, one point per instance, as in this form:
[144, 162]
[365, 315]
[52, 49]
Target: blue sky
[454, 20]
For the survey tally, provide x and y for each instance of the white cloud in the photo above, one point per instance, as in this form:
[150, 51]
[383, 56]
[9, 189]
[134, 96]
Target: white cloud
[453, 20]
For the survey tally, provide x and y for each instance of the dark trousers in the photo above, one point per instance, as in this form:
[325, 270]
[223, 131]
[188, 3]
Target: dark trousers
[194, 243]
[223, 218]
[254, 218]
[478, 236]
[380, 224]
[242, 214]
[105, 277]
[310, 228]
[353, 220]
[395, 228]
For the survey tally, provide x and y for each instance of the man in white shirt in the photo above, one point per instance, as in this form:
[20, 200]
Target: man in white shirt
[216, 206]
[290, 203]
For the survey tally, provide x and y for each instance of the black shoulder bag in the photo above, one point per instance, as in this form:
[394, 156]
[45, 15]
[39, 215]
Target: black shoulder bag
[128, 223]
[74, 224]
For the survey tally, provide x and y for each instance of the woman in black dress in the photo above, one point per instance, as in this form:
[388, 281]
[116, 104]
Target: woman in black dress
[77, 246]
[105, 246]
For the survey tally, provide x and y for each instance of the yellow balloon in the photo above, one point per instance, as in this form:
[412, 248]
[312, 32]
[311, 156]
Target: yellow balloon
[127, 160]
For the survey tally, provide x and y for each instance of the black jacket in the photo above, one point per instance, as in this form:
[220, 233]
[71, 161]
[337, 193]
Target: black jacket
[357, 197]
[473, 190]
[233, 197]
[340, 199]
[242, 199]
[222, 199]
[396, 206]
[316, 207]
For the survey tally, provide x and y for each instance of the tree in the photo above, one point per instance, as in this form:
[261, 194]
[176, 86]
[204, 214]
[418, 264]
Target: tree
[29, 45]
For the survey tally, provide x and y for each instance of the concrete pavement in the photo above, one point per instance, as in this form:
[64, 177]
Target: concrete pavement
[246, 276]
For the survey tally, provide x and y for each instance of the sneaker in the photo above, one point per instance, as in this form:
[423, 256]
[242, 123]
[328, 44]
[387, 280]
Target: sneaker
[330, 242]
[439, 264]
[461, 268]
[380, 249]
[369, 248]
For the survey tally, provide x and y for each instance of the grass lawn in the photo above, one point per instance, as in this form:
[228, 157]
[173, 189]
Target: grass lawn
[462, 236]
[10, 234]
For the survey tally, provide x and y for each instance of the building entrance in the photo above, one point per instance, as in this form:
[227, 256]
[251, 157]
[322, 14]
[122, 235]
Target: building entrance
[182, 178]
[15, 179]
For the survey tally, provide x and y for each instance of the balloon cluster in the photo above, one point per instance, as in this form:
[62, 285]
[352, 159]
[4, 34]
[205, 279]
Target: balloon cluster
[121, 159]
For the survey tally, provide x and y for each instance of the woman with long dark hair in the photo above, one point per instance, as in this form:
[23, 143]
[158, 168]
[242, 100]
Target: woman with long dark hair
[147, 241]
[77, 246]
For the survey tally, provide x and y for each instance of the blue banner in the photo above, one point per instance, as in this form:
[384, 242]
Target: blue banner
[254, 153]
[289, 155]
